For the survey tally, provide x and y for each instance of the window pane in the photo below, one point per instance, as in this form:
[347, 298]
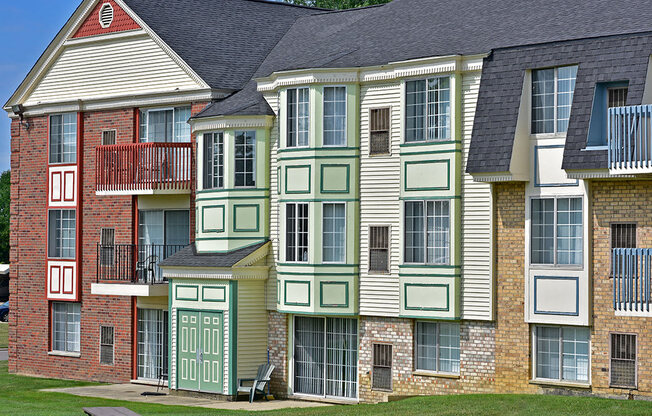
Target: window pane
[181, 126]
[56, 138]
[69, 138]
[334, 116]
[427, 346]
[160, 126]
[415, 110]
[290, 232]
[576, 354]
[438, 228]
[61, 233]
[547, 352]
[213, 160]
[291, 140]
[543, 229]
[152, 343]
[245, 158]
[414, 232]
[177, 229]
[439, 108]
[565, 88]
[341, 357]
[543, 100]
[66, 318]
[334, 233]
[296, 232]
[303, 112]
[309, 355]
[569, 231]
[449, 348]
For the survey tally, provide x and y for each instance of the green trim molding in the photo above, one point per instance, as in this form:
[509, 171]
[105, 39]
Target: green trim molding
[312, 149]
[427, 162]
[233, 336]
[203, 215]
[176, 292]
[285, 293]
[278, 180]
[309, 179]
[235, 218]
[336, 191]
[243, 189]
[333, 305]
[203, 294]
[423, 308]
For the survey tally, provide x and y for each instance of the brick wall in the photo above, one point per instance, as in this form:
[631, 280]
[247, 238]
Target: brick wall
[512, 333]
[618, 201]
[477, 366]
[277, 339]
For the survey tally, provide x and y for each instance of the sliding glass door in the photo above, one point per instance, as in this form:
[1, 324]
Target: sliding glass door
[160, 235]
[326, 356]
[152, 343]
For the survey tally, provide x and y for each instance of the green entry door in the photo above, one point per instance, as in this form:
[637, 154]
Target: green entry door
[200, 351]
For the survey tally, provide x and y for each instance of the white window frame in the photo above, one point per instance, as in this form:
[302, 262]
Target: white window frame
[296, 232]
[255, 160]
[146, 111]
[203, 144]
[62, 132]
[556, 131]
[296, 118]
[555, 264]
[66, 333]
[425, 232]
[346, 122]
[437, 346]
[533, 332]
[323, 220]
[451, 101]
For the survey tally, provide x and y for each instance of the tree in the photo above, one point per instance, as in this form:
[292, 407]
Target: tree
[337, 4]
[5, 188]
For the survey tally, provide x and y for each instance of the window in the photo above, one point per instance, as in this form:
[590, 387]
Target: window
[623, 361]
[296, 232]
[427, 232]
[213, 160]
[334, 116]
[381, 376]
[623, 235]
[168, 125]
[562, 353]
[334, 233]
[61, 233]
[379, 143]
[556, 228]
[160, 235]
[379, 249]
[326, 356]
[438, 347]
[108, 137]
[606, 95]
[616, 97]
[427, 109]
[298, 109]
[107, 246]
[106, 345]
[245, 159]
[552, 98]
[66, 317]
[152, 343]
[63, 138]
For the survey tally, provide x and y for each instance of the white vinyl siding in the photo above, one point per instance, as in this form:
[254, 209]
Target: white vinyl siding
[380, 184]
[120, 67]
[477, 231]
[66, 326]
[252, 328]
[275, 208]
[334, 122]
[63, 138]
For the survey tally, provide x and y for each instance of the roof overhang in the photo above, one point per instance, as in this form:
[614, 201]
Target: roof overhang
[230, 122]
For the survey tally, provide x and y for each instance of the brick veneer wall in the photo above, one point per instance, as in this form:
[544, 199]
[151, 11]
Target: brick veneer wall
[477, 365]
[278, 352]
[618, 201]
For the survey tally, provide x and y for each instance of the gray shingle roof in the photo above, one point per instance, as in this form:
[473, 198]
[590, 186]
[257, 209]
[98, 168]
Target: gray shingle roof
[615, 58]
[188, 257]
[410, 29]
[223, 41]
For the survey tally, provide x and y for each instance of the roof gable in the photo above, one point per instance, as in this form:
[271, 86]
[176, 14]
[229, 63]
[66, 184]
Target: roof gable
[91, 26]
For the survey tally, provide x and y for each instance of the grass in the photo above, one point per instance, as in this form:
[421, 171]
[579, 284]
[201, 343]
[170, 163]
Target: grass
[20, 395]
[4, 334]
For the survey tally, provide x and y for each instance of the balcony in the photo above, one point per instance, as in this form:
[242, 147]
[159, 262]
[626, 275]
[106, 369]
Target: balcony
[632, 272]
[131, 269]
[143, 168]
[630, 139]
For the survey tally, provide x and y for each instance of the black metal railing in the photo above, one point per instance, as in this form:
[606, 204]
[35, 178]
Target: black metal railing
[135, 263]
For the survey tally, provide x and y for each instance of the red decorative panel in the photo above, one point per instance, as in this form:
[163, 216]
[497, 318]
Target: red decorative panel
[63, 186]
[121, 21]
[62, 280]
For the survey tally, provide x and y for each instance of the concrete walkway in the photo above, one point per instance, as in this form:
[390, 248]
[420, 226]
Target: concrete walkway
[132, 393]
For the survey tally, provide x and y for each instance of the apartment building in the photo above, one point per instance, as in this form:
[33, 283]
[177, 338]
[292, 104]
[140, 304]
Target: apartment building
[376, 201]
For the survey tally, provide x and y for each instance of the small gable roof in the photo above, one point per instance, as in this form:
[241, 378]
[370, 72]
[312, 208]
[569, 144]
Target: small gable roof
[189, 257]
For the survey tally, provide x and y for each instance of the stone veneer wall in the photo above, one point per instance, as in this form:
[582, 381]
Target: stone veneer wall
[477, 365]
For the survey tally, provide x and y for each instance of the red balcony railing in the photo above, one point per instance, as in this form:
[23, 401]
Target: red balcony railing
[141, 167]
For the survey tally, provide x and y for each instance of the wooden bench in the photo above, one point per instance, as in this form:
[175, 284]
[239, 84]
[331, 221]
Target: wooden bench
[109, 411]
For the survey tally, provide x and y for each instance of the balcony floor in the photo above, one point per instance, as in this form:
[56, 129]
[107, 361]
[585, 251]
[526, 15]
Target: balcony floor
[129, 289]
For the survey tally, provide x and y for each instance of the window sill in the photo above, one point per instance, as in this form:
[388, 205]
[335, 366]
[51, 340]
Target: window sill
[553, 383]
[426, 373]
[65, 354]
[595, 148]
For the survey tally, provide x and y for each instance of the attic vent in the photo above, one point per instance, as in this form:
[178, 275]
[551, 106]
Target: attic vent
[106, 15]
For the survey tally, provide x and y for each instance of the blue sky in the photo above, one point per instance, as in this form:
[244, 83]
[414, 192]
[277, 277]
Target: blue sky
[26, 27]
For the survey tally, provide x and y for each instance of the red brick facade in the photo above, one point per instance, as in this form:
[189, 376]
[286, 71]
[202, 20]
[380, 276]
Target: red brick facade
[92, 27]
[30, 333]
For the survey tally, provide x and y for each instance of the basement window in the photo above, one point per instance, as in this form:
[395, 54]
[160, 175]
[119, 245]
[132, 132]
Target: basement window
[106, 15]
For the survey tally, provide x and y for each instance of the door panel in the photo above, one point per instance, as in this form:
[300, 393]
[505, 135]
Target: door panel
[200, 351]
[188, 323]
[212, 352]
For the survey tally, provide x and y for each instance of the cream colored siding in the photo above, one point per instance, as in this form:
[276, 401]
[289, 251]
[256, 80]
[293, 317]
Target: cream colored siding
[272, 100]
[380, 179]
[108, 69]
[477, 280]
[252, 327]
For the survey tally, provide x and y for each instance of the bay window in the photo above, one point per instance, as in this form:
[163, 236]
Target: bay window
[334, 116]
[63, 138]
[298, 110]
[245, 159]
[296, 232]
[334, 232]
[213, 160]
[556, 231]
[552, 98]
[427, 109]
[438, 347]
[427, 232]
[561, 353]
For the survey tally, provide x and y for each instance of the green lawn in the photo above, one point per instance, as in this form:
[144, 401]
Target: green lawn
[21, 396]
[4, 334]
